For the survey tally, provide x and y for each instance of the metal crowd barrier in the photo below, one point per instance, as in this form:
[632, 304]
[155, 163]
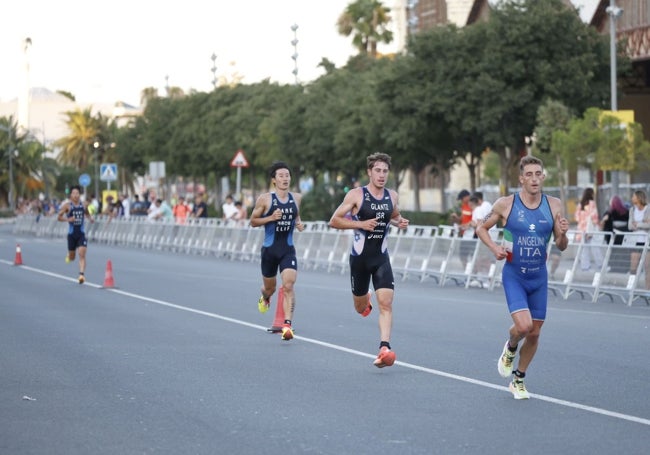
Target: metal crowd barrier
[618, 266]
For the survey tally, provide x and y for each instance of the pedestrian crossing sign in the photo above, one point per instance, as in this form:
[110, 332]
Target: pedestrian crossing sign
[108, 172]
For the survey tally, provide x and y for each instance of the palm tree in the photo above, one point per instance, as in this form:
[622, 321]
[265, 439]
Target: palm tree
[84, 130]
[367, 20]
[32, 170]
[147, 95]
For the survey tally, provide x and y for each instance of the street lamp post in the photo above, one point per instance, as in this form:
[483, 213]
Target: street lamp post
[614, 13]
[11, 180]
[294, 43]
[214, 70]
[96, 146]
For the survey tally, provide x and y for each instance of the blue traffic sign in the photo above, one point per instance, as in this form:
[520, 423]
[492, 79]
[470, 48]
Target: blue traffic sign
[108, 172]
[84, 180]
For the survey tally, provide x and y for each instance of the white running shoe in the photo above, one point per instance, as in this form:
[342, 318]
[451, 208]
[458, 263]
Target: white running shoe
[504, 364]
[518, 389]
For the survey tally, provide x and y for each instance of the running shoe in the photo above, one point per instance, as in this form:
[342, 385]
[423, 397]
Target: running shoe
[82, 279]
[287, 333]
[386, 358]
[263, 304]
[368, 309]
[67, 259]
[518, 389]
[504, 364]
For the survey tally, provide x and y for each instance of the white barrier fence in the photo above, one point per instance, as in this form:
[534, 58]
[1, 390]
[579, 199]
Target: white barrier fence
[602, 265]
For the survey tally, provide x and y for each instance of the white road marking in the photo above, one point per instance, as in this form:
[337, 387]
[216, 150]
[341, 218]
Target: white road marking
[570, 404]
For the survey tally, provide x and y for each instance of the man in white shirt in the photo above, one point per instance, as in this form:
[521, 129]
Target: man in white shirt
[480, 210]
[229, 209]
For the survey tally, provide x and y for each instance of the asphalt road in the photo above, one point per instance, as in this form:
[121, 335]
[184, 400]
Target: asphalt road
[177, 360]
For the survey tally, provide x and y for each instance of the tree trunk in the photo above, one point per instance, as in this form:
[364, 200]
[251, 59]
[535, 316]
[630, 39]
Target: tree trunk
[442, 175]
[416, 190]
[504, 163]
[561, 183]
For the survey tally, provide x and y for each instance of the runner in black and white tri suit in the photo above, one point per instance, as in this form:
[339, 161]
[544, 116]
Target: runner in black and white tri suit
[372, 208]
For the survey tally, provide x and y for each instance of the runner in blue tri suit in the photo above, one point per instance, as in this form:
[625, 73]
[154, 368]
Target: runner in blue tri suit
[372, 208]
[529, 217]
[73, 212]
[278, 212]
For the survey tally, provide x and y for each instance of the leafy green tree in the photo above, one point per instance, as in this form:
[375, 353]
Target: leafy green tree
[598, 142]
[535, 51]
[552, 117]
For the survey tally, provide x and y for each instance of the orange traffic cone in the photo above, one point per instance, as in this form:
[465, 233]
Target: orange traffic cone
[279, 314]
[19, 256]
[109, 282]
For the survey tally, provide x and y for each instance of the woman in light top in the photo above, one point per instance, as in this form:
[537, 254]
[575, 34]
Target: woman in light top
[639, 221]
[588, 221]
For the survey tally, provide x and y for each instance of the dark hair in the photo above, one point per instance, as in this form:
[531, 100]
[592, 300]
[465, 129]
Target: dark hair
[474, 199]
[587, 195]
[278, 165]
[617, 205]
[478, 194]
[75, 187]
[372, 159]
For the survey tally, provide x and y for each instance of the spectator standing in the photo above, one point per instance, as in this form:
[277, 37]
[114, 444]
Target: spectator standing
[639, 221]
[93, 207]
[165, 212]
[200, 207]
[465, 231]
[138, 207]
[126, 206]
[110, 209]
[181, 210]
[480, 210]
[588, 222]
[228, 209]
[616, 217]
[241, 215]
[152, 212]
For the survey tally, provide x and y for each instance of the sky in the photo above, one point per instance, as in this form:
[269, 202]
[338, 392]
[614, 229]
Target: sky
[110, 51]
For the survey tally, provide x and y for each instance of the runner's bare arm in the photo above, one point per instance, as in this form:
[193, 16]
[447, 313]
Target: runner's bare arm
[560, 224]
[261, 206]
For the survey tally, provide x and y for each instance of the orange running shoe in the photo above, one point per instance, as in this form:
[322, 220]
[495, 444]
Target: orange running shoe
[287, 332]
[386, 358]
[368, 309]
